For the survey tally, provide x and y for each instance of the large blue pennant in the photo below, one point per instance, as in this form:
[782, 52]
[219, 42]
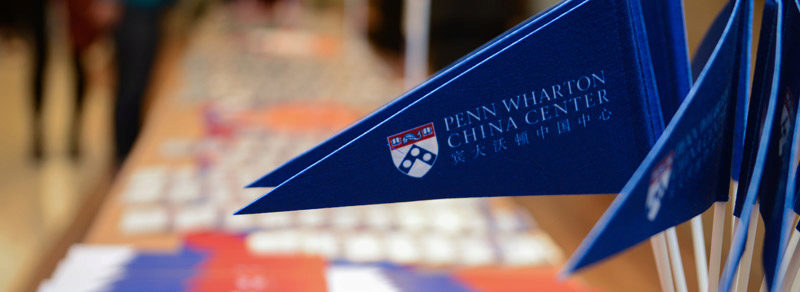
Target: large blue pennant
[301, 162]
[763, 177]
[689, 167]
[776, 201]
[664, 26]
[567, 108]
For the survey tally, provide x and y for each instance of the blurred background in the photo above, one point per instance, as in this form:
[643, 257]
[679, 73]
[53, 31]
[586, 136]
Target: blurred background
[136, 122]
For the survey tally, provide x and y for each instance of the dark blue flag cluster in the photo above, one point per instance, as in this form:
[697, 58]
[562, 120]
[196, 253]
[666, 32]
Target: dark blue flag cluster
[589, 97]
[688, 169]
[771, 142]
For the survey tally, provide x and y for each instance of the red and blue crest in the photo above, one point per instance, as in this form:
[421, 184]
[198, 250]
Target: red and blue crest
[414, 151]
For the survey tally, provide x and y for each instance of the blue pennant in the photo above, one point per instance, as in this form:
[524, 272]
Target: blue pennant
[568, 105]
[689, 167]
[664, 26]
[301, 162]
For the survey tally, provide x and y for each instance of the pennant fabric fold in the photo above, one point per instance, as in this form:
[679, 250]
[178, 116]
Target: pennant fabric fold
[567, 107]
[689, 167]
[780, 36]
[666, 36]
[759, 100]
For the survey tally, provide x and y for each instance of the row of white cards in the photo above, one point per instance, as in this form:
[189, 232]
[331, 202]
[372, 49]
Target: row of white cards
[449, 217]
[433, 249]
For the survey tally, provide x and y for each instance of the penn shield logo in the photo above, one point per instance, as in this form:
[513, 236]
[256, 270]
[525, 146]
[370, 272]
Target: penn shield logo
[659, 182]
[414, 151]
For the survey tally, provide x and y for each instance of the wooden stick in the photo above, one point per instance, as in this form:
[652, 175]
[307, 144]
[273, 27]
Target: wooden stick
[788, 253]
[743, 277]
[699, 243]
[662, 262]
[796, 284]
[675, 260]
[793, 265]
[717, 234]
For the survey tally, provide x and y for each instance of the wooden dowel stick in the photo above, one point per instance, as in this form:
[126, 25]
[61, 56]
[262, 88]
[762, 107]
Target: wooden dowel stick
[743, 277]
[788, 253]
[793, 266]
[717, 233]
[662, 262]
[700, 259]
[675, 260]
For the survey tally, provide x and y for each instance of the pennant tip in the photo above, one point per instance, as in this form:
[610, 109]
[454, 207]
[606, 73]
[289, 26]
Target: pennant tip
[567, 270]
[563, 274]
[267, 204]
[577, 261]
[249, 209]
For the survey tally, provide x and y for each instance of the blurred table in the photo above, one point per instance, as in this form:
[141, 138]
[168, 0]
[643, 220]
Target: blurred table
[240, 79]
[248, 96]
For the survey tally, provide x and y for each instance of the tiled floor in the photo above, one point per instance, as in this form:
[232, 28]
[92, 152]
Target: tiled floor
[39, 200]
